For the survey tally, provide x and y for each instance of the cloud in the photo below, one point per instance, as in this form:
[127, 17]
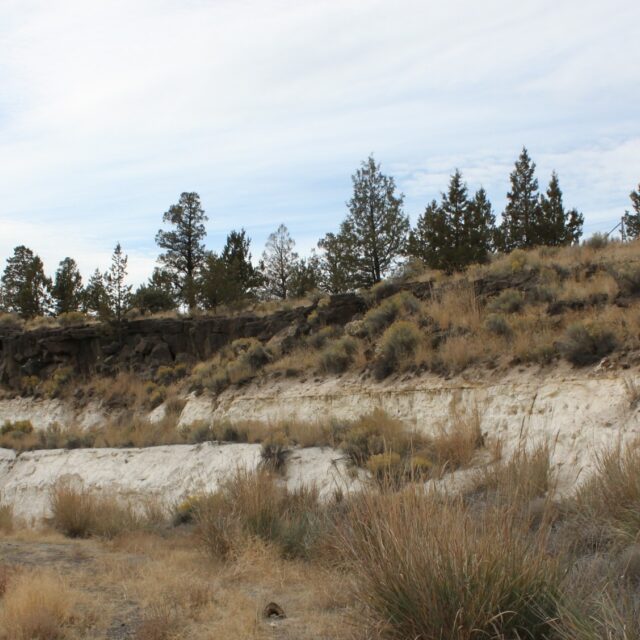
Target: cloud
[109, 109]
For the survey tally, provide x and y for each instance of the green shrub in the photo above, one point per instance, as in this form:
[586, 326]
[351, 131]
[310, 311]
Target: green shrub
[338, 356]
[397, 347]
[389, 310]
[320, 338]
[597, 241]
[585, 344]
[497, 324]
[57, 382]
[168, 374]
[508, 301]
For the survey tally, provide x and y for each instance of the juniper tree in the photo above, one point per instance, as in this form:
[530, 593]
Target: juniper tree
[632, 220]
[379, 229]
[336, 262]
[26, 289]
[67, 291]
[520, 219]
[184, 250]
[236, 257]
[557, 227]
[96, 299]
[156, 294]
[278, 263]
[456, 233]
[118, 293]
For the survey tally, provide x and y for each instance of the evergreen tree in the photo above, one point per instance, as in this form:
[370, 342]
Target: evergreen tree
[520, 220]
[378, 227]
[456, 233]
[26, 289]
[306, 276]
[96, 298]
[184, 250]
[214, 287]
[632, 220]
[156, 295]
[236, 256]
[278, 263]
[67, 289]
[556, 226]
[481, 229]
[429, 240]
[336, 268]
[118, 293]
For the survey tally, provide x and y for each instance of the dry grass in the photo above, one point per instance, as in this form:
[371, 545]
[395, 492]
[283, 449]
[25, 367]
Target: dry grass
[424, 569]
[80, 513]
[38, 605]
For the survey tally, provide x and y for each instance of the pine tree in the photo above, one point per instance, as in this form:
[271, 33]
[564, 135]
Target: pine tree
[557, 227]
[520, 220]
[306, 276]
[184, 250]
[26, 289]
[118, 293]
[377, 223]
[96, 299]
[632, 220]
[236, 256]
[278, 263]
[67, 289]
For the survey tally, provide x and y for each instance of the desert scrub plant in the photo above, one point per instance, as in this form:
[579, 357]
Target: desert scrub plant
[339, 355]
[73, 319]
[509, 301]
[424, 568]
[168, 374]
[16, 427]
[10, 321]
[628, 280]
[388, 469]
[274, 452]
[6, 517]
[397, 348]
[587, 343]
[380, 317]
[497, 324]
[56, 384]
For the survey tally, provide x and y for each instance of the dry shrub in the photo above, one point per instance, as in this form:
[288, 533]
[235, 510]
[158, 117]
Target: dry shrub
[587, 343]
[79, 513]
[397, 348]
[161, 621]
[274, 452]
[508, 301]
[6, 517]
[399, 305]
[10, 321]
[339, 355]
[374, 434]
[38, 606]
[424, 569]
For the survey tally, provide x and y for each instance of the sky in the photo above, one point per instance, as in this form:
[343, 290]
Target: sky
[109, 109]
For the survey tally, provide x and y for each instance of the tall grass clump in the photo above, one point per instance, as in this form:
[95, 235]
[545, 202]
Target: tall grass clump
[428, 570]
[397, 347]
[38, 605]
[605, 511]
[253, 505]
[80, 513]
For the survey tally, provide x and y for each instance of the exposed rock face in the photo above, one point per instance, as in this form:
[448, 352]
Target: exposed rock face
[167, 473]
[147, 343]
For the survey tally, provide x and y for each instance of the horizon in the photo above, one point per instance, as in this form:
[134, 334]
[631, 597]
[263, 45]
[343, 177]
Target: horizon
[267, 109]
